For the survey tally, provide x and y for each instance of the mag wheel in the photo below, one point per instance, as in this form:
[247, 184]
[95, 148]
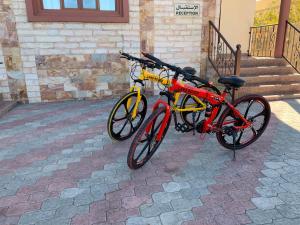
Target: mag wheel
[144, 144]
[121, 124]
[189, 101]
[254, 108]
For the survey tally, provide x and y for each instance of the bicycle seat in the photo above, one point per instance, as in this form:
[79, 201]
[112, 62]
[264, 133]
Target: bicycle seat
[232, 81]
[189, 70]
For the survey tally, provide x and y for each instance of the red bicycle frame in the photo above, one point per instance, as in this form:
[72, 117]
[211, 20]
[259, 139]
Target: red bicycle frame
[214, 99]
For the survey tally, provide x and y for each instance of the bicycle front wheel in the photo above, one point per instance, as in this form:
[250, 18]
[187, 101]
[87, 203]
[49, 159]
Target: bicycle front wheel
[122, 124]
[144, 144]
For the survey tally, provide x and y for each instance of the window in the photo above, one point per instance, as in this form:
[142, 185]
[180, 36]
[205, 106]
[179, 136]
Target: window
[104, 11]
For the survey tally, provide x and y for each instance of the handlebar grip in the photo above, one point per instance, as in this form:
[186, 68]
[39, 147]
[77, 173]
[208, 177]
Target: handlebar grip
[126, 55]
[152, 57]
[158, 61]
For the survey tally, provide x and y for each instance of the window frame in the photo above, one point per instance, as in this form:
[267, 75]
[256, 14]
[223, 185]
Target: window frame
[36, 13]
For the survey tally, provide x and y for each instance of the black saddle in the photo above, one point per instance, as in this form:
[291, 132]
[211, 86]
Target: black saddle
[232, 81]
[190, 70]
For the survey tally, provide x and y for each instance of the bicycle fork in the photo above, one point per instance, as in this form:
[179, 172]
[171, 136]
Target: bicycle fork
[138, 100]
[164, 121]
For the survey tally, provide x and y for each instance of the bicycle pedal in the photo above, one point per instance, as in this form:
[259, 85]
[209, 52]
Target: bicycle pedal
[182, 127]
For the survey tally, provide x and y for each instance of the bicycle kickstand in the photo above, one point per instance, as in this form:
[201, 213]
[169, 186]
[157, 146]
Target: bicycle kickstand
[194, 123]
[234, 142]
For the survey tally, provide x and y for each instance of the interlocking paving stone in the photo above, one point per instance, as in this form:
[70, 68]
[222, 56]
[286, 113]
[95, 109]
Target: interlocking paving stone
[289, 211]
[176, 217]
[143, 221]
[279, 189]
[185, 204]
[152, 210]
[286, 221]
[175, 186]
[259, 216]
[266, 203]
[53, 172]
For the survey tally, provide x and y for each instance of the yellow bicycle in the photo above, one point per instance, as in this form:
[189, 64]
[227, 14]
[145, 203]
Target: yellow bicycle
[130, 111]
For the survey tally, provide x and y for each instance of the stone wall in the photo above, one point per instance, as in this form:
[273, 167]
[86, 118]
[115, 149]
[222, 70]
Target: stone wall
[58, 61]
[12, 82]
[177, 39]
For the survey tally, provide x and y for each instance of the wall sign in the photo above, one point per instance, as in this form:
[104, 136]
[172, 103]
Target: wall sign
[187, 9]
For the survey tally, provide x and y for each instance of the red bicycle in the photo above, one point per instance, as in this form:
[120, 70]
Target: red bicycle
[239, 125]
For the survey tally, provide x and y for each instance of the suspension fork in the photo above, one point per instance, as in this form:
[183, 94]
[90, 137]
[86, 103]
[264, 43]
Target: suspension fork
[137, 102]
[164, 121]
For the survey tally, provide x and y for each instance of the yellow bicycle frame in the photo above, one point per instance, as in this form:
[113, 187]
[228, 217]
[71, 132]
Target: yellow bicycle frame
[145, 75]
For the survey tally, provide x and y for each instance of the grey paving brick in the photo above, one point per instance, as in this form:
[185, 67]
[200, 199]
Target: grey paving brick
[270, 173]
[55, 203]
[270, 191]
[266, 203]
[98, 191]
[55, 221]
[155, 209]
[54, 167]
[290, 198]
[165, 197]
[185, 204]
[83, 199]
[35, 217]
[192, 193]
[292, 177]
[290, 187]
[286, 222]
[71, 211]
[72, 192]
[143, 221]
[259, 216]
[175, 186]
[289, 211]
[176, 218]
[293, 162]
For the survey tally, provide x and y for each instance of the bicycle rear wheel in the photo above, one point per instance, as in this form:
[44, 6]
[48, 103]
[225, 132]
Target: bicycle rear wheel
[189, 101]
[144, 144]
[121, 125]
[254, 108]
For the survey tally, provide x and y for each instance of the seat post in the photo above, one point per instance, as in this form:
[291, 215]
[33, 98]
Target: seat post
[233, 95]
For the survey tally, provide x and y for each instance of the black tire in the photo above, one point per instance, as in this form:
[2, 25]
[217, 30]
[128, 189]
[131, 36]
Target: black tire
[264, 115]
[147, 141]
[121, 115]
[189, 100]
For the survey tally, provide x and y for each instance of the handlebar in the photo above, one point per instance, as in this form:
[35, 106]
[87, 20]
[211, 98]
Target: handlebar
[145, 62]
[176, 69]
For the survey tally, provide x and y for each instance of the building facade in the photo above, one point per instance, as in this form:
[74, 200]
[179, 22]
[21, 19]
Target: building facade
[71, 58]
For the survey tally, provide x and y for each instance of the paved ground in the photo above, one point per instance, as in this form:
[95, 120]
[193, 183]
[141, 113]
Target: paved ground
[58, 166]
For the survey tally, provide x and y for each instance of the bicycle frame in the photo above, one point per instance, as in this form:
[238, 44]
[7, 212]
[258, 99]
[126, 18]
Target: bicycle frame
[146, 75]
[214, 99]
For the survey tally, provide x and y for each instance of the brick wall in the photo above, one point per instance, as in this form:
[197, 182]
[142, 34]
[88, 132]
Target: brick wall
[57, 61]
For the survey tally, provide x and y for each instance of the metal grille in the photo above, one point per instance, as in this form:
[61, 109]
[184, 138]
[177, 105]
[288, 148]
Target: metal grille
[262, 40]
[224, 59]
[292, 46]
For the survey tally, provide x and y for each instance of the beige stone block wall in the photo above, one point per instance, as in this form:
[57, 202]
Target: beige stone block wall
[236, 20]
[4, 88]
[177, 38]
[80, 60]
[82, 41]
